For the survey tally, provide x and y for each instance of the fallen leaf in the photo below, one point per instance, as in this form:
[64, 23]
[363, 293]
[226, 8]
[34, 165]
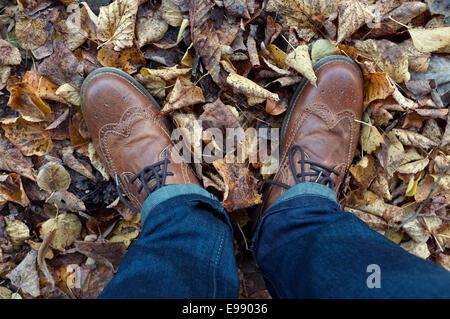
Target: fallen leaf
[352, 15]
[273, 108]
[364, 172]
[43, 87]
[66, 201]
[77, 165]
[207, 39]
[150, 27]
[218, 115]
[242, 185]
[31, 33]
[12, 160]
[430, 40]
[417, 61]
[388, 56]
[299, 14]
[413, 167]
[413, 139]
[184, 93]
[25, 100]
[62, 66]
[124, 232]
[278, 55]
[129, 59]
[155, 80]
[9, 54]
[25, 275]
[250, 88]
[5, 293]
[380, 186]
[171, 13]
[418, 249]
[369, 138]
[69, 94]
[115, 23]
[300, 61]
[53, 177]
[376, 86]
[322, 48]
[71, 31]
[17, 232]
[106, 253]
[391, 153]
[272, 30]
[67, 229]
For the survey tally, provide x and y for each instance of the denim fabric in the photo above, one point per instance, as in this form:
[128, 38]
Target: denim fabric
[185, 249]
[305, 246]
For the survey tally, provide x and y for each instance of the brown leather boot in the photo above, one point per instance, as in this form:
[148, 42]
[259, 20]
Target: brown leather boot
[319, 134]
[132, 140]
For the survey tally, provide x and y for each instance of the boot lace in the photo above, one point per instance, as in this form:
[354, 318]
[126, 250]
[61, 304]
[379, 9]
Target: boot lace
[157, 172]
[321, 172]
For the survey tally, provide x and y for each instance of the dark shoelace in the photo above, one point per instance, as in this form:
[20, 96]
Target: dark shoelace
[318, 171]
[148, 173]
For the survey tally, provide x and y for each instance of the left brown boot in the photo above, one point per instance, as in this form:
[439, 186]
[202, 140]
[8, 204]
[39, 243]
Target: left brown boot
[131, 138]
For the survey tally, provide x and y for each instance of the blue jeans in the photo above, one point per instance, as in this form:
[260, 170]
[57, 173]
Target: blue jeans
[305, 245]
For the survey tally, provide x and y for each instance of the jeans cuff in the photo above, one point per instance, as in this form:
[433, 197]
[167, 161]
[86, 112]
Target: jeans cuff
[306, 188]
[171, 191]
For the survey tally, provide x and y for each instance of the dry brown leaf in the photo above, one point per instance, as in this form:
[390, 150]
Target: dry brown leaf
[272, 30]
[300, 61]
[17, 232]
[69, 93]
[376, 86]
[391, 154]
[155, 80]
[62, 66]
[53, 177]
[184, 93]
[413, 167]
[380, 185]
[352, 15]
[418, 249]
[29, 138]
[25, 275]
[430, 40]
[9, 55]
[129, 59]
[364, 172]
[299, 14]
[31, 33]
[273, 108]
[242, 185]
[218, 115]
[388, 56]
[71, 31]
[115, 23]
[249, 88]
[413, 139]
[66, 201]
[5, 293]
[417, 61]
[171, 13]
[67, 229]
[25, 100]
[150, 27]
[12, 160]
[43, 87]
[77, 165]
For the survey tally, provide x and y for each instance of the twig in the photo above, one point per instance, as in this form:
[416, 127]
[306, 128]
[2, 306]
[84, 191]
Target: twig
[421, 205]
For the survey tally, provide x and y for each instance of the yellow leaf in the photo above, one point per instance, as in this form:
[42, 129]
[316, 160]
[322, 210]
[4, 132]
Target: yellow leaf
[68, 229]
[370, 138]
[150, 28]
[171, 13]
[53, 177]
[25, 100]
[184, 93]
[412, 185]
[17, 232]
[300, 61]
[29, 138]
[352, 15]
[248, 87]
[124, 232]
[278, 55]
[116, 23]
[69, 93]
[430, 40]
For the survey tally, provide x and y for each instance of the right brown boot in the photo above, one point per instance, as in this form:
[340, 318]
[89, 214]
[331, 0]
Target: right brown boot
[320, 131]
[130, 137]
